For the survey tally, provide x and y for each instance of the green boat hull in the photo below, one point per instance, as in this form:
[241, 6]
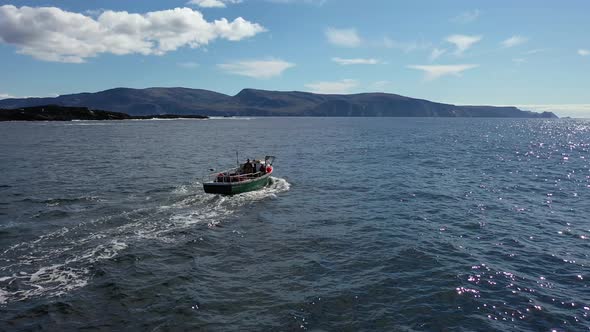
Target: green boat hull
[233, 188]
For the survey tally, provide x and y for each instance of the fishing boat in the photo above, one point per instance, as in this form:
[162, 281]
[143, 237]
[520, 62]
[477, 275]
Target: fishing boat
[249, 176]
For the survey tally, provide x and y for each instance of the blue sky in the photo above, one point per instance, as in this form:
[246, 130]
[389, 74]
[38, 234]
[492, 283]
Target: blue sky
[535, 54]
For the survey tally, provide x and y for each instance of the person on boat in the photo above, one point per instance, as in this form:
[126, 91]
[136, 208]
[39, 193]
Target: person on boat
[253, 166]
[262, 169]
[248, 167]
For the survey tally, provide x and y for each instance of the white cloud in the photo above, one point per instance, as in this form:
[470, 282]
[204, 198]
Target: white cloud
[356, 61]
[572, 110]
[514, 41]
[262, 69]
[63, 36]
[332, 87]
[467, 16]
[436, 53]
[433, 72]
[343, 37]
[212, 3]
[583, 52]
[463, 42]
[188, 65]
[6, 96]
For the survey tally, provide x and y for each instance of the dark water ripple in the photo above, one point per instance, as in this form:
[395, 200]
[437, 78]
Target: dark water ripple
[370, 224]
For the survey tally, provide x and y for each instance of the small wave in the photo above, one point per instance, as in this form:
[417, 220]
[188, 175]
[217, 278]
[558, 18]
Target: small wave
[65, 201]
[60, 200]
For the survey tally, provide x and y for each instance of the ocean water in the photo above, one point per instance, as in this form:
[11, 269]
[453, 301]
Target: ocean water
[369, 224]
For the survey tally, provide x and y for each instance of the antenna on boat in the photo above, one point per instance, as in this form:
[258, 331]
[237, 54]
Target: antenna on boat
[237, 159]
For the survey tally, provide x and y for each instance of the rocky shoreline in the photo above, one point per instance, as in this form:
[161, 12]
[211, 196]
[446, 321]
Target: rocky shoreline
[65, 113]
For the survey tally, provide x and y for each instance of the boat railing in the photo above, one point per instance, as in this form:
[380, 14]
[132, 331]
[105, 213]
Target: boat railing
[231, 175]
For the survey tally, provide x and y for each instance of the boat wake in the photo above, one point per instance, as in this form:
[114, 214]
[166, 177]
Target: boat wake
[61, 261]
[213, 209]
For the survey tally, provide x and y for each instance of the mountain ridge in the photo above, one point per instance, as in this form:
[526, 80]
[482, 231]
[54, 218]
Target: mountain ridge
[256, 102]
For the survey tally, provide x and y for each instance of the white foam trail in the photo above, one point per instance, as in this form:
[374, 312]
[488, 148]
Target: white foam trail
[59, 278]
[59, 232]
[184, 189]
[69, 264]
[277, 186]
[3, 296]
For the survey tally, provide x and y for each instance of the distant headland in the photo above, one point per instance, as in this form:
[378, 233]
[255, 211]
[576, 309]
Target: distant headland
[251, 102]
[67, 113]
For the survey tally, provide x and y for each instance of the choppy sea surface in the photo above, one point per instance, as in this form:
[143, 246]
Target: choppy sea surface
[369, 224]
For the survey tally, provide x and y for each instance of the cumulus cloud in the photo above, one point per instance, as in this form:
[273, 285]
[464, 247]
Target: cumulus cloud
[262, 69]
[356, 61]
[433, 72]
[53, 34]
[6, 96]
[514, 41]
[436, 53]
[332, 87]
[583, 52]
[467, 16]
[212, 3]
[343, 37]
[462, 42]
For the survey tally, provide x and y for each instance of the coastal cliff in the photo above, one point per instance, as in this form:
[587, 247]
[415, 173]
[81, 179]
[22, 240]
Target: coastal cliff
[252, 102]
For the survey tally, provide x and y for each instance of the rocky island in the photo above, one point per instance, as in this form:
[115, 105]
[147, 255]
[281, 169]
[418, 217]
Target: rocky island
[252, 102]
[66, 113]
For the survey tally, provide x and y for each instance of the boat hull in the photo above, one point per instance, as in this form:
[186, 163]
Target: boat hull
[233, 188]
